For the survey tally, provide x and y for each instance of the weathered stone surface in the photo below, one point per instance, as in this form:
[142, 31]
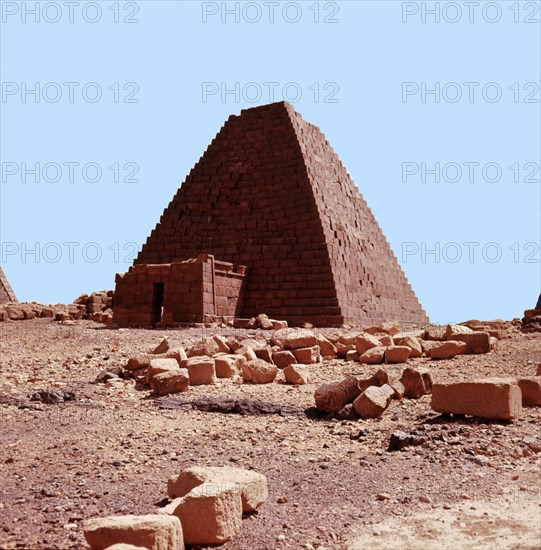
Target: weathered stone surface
[251, 485]
[162, 347]
[326, 347]
[222, 344]
[333, 397]
[373, 401]
[349, 338]
[455, 330]
[379, 378]
[158, 366]
[307, 356]
[263, 322]
[352, 355]
[258, 371]
[476, 342]
[416, 350]
[417, 382]
[435, 333]
[206, 347]
[364, 342]
[384, 340]
[153, 532]
[201, 370]
[265, 354]
[247, 352]
[398, 388]
[373, 356]
[229, 366]
[209, 514]
[491, 398]
[530, 388]
[296, 374]
[174, 381]
[446, 350]
[283, 359]
[296, 338]
[397, 354]
[389, 327]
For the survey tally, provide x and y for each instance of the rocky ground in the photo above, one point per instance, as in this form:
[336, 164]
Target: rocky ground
[96, 449]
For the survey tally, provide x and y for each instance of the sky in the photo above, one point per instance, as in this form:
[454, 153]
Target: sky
[433, 107]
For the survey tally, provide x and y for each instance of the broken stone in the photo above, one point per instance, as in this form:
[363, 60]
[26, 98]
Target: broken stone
[455, 330]
[373, 401]
[206, 347]
[201, 369]
[379, 378]
[153, 532]
[247, 352]
[384, 340]
[158, 366]
[279, 325]
[283, 359]
[352, 355]
[417, 382]
[364, 342]
[296, 374]
[292, 338]
[373, 356]
[476, 342]
[263, 322]
[326, 347]
[343, 349]
[397, 354]
[446, 350]
[265, 354]
[494, 398]
[174, 381]
[435, 333]
[222, 344]
[251, 485]
[399, 440]
[416, 350]
[163, 346]
[307, 356]
[229, 366]
[258, 371]
[333, 397]
[398, 388]
[389, 327]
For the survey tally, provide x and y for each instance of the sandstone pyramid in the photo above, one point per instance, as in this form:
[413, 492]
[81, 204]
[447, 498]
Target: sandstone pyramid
[6, 292]
[270, 194]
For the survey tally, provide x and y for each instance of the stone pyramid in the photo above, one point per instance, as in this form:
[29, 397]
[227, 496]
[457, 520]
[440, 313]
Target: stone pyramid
[270, 194]
[6, 292]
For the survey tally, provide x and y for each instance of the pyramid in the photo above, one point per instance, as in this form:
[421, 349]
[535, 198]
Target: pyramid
[269, 195]
[6, 292]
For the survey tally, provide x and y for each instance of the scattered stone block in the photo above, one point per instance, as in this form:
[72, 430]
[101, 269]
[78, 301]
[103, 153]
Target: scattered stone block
[247, 352]
[417, 382]
[265, 354]
[373, 401]
[446, 350]
[279, 325]
[373, 356]
[384, 340]
[251, 485]
[379, 378]
[389, 327]
[399, 440]
[296, 374]
[283, 359]
[153, 532]
[163, 346]
[292, 338]
[174, 381]
[326, 347]
[342, 349]
[416, 350]
[333, 397]
[222, 344]
[229, 366]
[435, 333]
[492, 398]
[456, 330]
[397, 354]
[307, 356]
[201, 369]
[364, 342]
[476, 342]
[263, 322]
[398, 388]
[206, 347]
[158, 366]
[258, 371]
[352, 355]
[349, 338]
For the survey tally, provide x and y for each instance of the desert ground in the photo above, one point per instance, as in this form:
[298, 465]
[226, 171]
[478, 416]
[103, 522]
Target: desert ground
[84, 449]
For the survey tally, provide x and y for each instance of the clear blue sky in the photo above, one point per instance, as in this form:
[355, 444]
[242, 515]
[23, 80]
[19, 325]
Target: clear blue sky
[153, 122]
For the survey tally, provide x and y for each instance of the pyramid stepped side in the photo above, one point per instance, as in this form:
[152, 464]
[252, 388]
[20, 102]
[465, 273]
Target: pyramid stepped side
[6, 292]
[371, 285]
[249, 201]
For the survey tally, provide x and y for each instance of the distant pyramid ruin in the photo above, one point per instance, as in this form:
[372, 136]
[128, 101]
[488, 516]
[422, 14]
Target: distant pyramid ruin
[268, 221]
[6, 292]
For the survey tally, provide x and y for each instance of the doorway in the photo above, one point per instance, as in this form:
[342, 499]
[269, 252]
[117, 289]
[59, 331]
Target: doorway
[157, 303]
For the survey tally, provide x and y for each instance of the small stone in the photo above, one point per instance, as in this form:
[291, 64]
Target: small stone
[383, 496]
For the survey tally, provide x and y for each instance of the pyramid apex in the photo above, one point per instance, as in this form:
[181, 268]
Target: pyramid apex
[268, 107]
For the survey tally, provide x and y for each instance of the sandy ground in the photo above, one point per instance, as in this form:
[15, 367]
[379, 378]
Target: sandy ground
[110, 448]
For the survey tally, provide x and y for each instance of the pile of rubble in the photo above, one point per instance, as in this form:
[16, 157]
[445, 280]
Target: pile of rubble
[97, 307]
[206, 508]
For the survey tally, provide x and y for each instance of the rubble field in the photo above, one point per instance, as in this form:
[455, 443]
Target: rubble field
[82, 438]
